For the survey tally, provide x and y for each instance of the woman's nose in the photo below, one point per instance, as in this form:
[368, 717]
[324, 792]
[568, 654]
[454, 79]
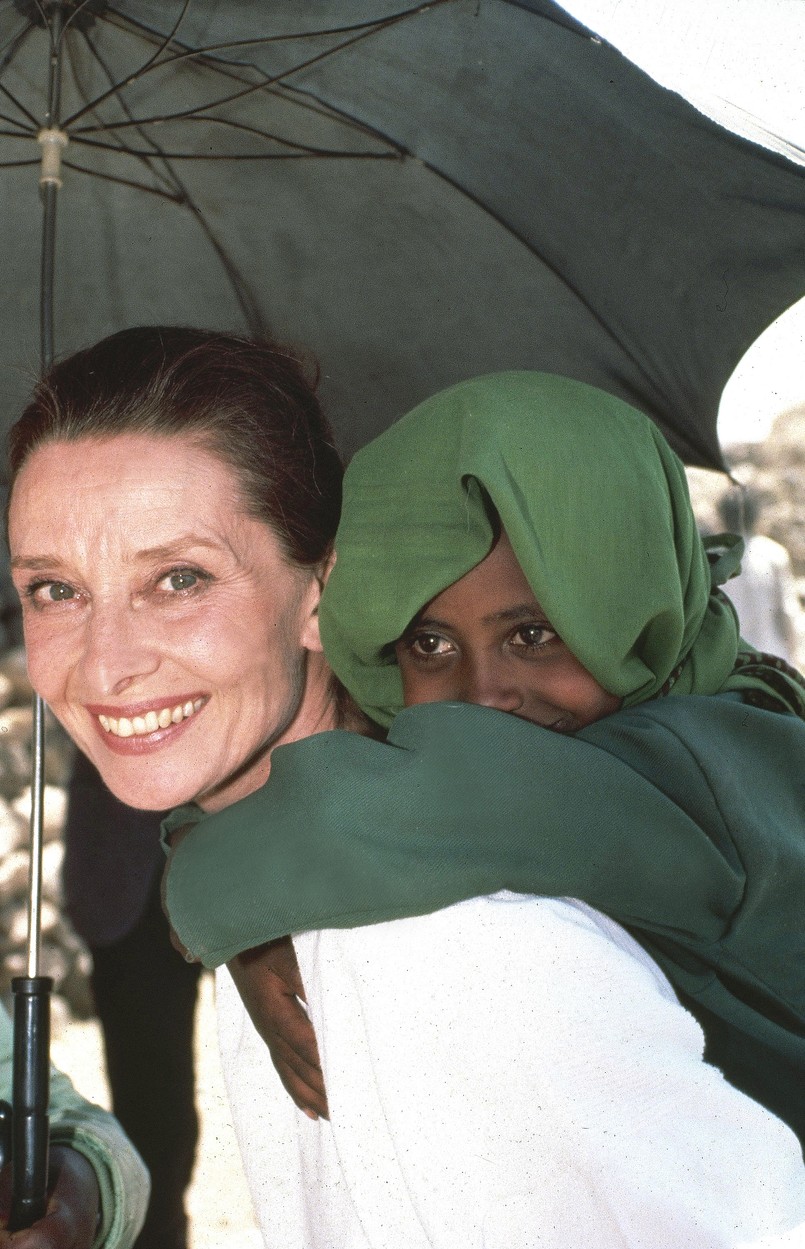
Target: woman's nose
[118, 650]
[490, 684]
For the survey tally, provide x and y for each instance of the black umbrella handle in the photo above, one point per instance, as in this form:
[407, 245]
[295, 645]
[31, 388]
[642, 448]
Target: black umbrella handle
[31, 1095]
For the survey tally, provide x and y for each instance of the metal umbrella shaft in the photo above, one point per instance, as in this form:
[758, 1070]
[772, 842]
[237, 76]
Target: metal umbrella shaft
[31, 1068]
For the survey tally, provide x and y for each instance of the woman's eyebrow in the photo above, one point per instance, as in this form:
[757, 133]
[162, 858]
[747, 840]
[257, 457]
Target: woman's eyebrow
[176, 549]
[172, 550]
[36, 563]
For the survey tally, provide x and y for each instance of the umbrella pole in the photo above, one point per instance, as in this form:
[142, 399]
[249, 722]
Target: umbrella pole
[31, 1069]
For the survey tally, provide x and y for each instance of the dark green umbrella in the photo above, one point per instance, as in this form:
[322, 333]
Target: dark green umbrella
[416, 192]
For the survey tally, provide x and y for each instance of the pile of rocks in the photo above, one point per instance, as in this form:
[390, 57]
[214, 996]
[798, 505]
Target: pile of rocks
[63, 956]
[775, 470]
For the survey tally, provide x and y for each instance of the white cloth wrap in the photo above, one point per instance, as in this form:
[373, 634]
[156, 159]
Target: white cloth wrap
[506, 1073]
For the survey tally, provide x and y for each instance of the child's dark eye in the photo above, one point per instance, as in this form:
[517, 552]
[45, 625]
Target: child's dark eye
[430, 644]
[533, 636]
[425, 646]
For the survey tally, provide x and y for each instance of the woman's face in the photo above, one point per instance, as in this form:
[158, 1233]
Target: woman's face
[486, 640]
[163, 625]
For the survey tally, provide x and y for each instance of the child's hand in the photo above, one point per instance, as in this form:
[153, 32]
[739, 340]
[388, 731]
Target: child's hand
[71, 1218]
[268, 981]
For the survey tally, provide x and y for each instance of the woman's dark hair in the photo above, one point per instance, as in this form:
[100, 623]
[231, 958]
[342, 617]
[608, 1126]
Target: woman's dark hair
[245, 400]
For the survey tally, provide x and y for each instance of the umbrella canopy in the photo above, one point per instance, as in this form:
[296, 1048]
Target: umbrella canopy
[416, 193]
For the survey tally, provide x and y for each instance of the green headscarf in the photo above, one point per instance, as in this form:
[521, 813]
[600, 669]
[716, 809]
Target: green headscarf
[596, 506]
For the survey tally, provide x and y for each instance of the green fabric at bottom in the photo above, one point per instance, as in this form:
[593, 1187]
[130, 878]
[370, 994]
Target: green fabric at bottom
[683, 818]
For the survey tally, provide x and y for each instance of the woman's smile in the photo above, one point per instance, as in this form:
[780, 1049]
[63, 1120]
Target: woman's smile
[164, 625]
[146, 726]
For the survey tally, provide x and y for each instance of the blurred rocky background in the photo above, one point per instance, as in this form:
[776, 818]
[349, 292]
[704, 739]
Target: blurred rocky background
[774, 471]
[62, 954]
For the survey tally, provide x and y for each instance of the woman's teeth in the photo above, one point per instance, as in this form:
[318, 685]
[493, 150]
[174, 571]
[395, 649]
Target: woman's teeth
[151, 721]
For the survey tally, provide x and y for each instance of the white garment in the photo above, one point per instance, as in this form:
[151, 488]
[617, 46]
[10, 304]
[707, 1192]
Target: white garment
[507, 1073]
[765, 598]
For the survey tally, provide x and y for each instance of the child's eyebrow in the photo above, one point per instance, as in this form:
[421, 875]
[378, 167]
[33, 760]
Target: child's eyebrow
[521, 611]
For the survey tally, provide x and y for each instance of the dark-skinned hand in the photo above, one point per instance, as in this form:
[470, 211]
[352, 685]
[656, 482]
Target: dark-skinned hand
[71, 1218]
[268, 981]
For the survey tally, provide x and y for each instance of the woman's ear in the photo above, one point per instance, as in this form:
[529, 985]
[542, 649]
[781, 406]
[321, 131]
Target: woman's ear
[310, 632]
[326, 568]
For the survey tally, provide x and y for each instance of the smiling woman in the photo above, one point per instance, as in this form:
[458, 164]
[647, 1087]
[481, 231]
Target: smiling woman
[175, 496]
[170, 587]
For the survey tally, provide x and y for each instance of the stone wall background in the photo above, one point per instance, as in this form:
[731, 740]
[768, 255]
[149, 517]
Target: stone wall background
[776, 470]
[63, 955]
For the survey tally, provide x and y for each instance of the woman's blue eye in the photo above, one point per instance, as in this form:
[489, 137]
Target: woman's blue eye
[43, 594]
[58, 591]
[50, 592]
[182, 580]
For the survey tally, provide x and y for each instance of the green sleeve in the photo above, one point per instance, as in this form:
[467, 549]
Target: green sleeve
[684, 819]
[460, 801]
[122, 1178]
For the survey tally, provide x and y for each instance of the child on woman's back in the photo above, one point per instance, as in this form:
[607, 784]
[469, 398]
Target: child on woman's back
[526, 542]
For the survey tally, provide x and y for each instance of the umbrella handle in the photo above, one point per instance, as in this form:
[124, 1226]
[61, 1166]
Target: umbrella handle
[31, 1095]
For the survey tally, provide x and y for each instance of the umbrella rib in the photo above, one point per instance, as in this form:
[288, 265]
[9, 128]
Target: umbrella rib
[365, 31]
[146, 68]
[75, 13]
[108, 177]
[10, 95]
[281, 91]
[19, 132]
[241, 289]
[300, 99]
[10, 50]
[146, 158]
[369, 26]
[181, 196]
[12, 45]
[299, 149]
[46, 23]
[181, 116]
[303, 148]
[306, 154]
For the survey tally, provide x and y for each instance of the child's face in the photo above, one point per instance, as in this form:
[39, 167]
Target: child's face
[486, 640]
